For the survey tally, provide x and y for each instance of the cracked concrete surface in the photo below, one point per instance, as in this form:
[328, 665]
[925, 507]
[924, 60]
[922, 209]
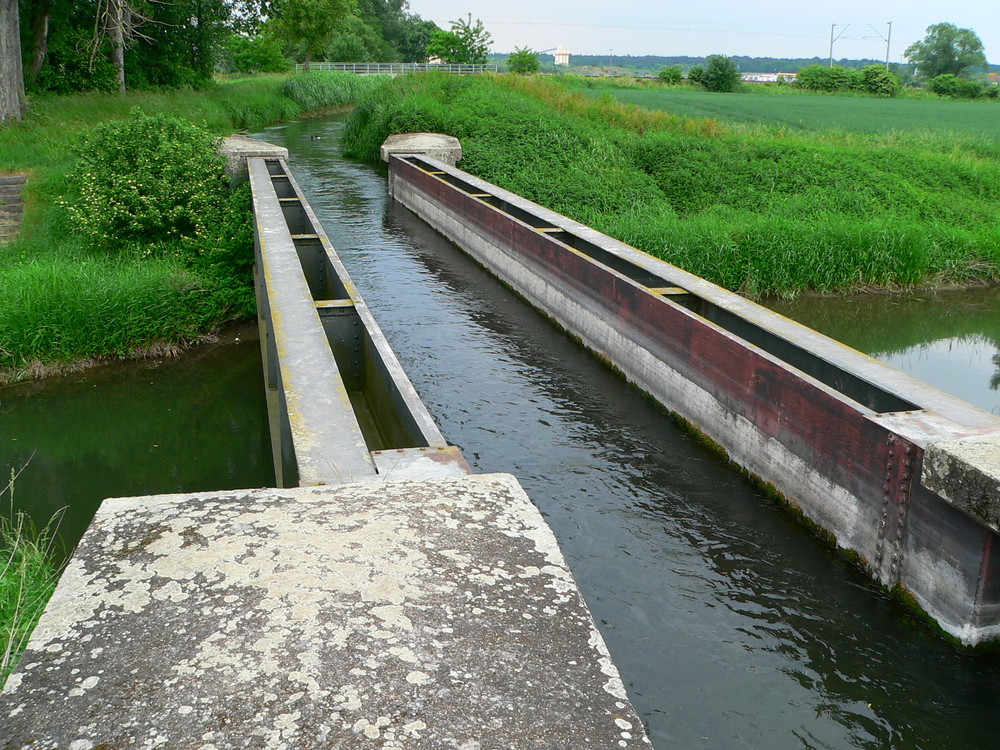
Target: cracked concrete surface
[435, 614]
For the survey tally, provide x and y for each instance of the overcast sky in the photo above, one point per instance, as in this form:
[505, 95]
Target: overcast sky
[778, 28]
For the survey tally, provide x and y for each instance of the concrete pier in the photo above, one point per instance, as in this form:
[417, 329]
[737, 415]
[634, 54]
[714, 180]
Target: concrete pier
[433, 614]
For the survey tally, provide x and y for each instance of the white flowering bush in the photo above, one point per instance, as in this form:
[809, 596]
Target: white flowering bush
[148, 179]
[157, 183]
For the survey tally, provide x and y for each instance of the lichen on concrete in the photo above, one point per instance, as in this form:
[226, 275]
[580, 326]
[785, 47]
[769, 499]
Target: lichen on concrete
[446, 148]
[435, 614]
[966, 473]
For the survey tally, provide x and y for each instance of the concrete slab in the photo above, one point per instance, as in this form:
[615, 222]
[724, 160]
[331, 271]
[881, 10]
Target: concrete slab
[237, 148]
[446, 148]
[435, 614]
[966, 473]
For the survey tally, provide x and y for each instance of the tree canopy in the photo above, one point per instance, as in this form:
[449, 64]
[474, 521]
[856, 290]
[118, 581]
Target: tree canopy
[719, 74]
[523, 61]
[946, 50]
[468, 42]
[84, 45]
[309, 24]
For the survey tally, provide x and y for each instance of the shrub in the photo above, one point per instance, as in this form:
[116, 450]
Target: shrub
[70, 68]
[158, 182]
[672, 75]
[149, 179]
[822, 78]
[873, 79]
[878, 81]
[960, 88]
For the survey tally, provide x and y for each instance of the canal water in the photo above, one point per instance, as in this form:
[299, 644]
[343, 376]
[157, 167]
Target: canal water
[948, 338]
[156, 426]
[733, 627]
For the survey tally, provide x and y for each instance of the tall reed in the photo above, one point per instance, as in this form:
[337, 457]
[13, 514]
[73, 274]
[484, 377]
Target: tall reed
[28, 576]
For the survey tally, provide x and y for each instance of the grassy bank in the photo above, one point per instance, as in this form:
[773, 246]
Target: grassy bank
[63, 299]
[758, 210]
[27, 578]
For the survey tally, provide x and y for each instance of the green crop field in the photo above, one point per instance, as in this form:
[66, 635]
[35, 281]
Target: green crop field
[852, 114]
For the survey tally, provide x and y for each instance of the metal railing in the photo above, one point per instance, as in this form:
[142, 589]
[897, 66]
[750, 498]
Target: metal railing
[395, 69]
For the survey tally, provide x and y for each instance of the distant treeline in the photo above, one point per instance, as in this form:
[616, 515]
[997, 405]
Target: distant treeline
[654, 63]
[744, 63]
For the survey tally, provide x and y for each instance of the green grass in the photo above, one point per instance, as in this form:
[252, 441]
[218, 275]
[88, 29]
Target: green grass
[57, 309]
[818, 112]
[61, 300]
[759, 210]
[28, 576]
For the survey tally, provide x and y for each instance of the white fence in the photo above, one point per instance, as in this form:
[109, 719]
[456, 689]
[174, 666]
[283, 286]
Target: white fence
[395, 69]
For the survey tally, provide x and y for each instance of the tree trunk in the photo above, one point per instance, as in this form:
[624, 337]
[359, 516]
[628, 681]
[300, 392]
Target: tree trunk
[116, 22]
[11, 73]
[41, 37]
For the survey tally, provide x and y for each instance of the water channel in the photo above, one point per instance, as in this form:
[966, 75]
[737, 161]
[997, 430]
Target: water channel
[732, 626]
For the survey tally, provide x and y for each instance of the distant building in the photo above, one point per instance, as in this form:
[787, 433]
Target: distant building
[769, 77]
[562, 55]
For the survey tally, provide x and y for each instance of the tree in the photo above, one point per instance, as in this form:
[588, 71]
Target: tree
[258, 54]
[523, 61]
[309, 24]
[467, 43]
[946, 50]
[119, 22]
[11, 71]
[415, 34]
[672, 74]
[720, 74]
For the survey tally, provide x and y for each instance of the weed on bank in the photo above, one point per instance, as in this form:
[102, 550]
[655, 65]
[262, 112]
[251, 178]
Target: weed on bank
[28, 576]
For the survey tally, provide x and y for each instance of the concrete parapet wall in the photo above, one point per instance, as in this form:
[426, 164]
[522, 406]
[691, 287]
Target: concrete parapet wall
[436, 614]
[446, 148]
[840, 435]
[238, 148]
[966, 473]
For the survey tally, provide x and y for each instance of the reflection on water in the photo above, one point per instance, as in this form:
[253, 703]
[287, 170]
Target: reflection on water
[191, 424]
[733, 627]
[950, 339]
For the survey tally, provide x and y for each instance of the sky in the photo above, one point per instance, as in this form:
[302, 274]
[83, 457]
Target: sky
[777, 28]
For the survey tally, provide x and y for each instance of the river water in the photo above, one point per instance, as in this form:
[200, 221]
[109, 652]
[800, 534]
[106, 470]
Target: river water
[732, 626]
